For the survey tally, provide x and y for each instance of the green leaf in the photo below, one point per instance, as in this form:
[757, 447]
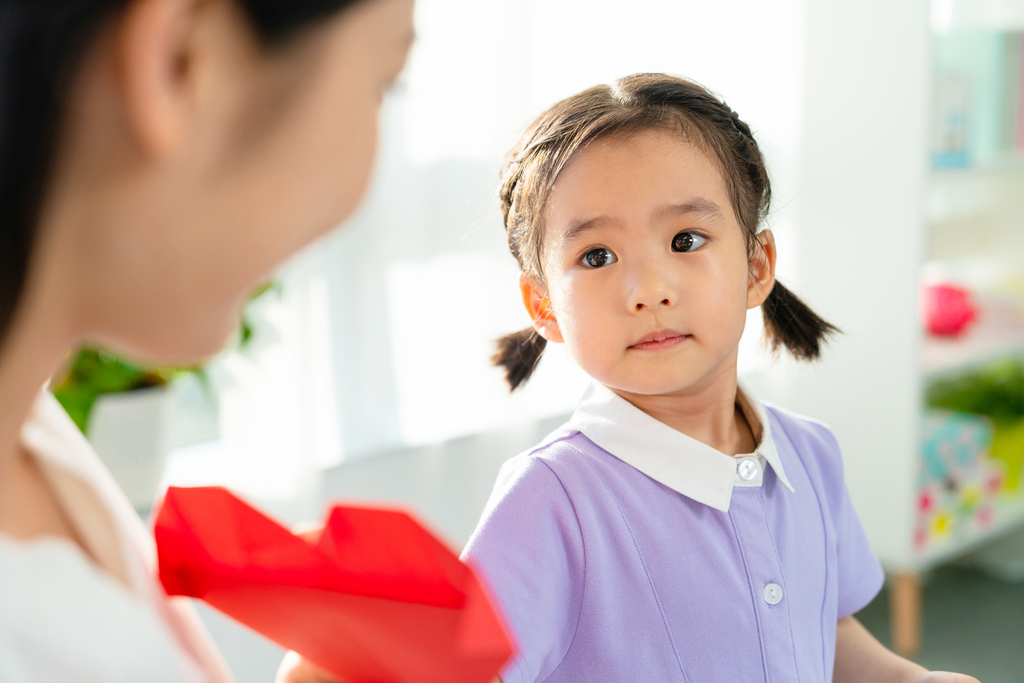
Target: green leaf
[996, 391]
[94, 372]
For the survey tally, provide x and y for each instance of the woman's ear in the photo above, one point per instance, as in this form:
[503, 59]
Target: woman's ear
[155, 53]
[761, 277]
[535, 298]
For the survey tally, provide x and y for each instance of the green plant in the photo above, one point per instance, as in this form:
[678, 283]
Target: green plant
[996, 391]
[94, 371]
[246, 327]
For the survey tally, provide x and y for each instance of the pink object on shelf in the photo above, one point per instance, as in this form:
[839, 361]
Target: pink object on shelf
[948, 310]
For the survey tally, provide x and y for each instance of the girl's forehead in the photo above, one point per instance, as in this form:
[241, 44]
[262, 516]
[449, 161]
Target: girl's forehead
[638, 173]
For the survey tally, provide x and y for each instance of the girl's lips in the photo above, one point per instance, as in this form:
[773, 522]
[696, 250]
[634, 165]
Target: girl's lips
[660, 340]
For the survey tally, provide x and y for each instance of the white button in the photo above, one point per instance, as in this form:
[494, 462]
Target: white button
[773, 593]
[748, 469]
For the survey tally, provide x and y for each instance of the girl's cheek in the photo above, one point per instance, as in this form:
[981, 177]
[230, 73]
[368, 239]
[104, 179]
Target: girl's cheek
[592, 335]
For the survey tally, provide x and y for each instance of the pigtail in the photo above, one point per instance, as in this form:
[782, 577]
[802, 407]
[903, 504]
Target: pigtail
[518, 354]
[790, 322]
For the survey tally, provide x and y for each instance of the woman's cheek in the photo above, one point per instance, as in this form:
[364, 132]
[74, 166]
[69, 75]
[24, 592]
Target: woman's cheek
[359, 153]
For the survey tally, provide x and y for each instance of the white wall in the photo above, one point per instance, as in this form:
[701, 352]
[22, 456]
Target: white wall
[861, 235]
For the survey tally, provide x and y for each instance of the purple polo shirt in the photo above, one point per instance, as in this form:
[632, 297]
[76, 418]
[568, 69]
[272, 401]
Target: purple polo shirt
[655, 558]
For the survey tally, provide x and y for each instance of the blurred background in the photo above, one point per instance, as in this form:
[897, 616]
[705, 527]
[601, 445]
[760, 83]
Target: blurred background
[895, 137]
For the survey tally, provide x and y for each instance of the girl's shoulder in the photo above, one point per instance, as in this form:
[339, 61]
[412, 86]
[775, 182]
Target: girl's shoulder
[532, 502]
[808, 440]
[565, 454]
[795, 425]
[565, 470]
[558, 454]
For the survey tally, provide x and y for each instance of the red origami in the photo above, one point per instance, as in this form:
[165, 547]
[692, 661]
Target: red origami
[376, 599]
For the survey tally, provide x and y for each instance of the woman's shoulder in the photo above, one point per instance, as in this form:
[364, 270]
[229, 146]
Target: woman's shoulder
[63, 619]
[54, 439]
[120, 548]
[105, 521]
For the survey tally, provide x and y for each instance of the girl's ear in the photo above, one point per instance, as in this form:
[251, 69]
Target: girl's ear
[761, 279]
[535, 298]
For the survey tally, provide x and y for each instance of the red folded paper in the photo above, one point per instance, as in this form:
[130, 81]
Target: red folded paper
[376, 599]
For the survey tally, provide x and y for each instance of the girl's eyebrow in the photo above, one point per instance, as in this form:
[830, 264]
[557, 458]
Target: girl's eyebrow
[698, 205]
[578, 227]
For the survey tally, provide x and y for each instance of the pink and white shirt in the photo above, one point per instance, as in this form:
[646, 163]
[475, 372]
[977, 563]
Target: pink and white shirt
[66, 616]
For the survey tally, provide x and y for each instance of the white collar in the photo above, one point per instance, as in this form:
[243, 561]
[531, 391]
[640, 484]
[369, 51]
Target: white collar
[676, 460]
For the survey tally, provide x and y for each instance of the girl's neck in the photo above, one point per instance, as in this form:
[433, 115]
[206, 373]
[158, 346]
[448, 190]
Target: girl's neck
[706, 411]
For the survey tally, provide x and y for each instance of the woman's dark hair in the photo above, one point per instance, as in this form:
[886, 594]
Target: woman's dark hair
[625, 107]
[41, 44]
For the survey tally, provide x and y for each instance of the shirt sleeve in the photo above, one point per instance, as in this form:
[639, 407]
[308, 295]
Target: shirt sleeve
[528, 548]
[859, 573]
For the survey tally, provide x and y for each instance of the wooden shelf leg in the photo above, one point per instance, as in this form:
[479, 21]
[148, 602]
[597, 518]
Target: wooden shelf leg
[905, 615]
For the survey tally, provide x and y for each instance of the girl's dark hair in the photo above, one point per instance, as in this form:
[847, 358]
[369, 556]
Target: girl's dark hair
[625, 107]
[41, 44]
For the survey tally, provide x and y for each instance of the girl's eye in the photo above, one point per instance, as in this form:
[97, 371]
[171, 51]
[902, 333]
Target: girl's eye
[598, 258]
[687, 241]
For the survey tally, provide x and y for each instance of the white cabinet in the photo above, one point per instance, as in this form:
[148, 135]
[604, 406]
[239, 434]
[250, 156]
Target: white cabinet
[874, 217]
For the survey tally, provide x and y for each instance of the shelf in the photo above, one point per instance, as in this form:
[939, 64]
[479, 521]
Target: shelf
[1010, 163]
[948, 16]
[1009, 515]
[989, 192]
[987, 341]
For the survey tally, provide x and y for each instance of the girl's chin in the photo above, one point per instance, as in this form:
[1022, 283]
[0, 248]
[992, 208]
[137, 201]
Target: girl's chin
[654, 379]
[648, 386]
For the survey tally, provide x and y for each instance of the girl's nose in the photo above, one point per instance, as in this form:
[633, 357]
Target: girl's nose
[653, 291]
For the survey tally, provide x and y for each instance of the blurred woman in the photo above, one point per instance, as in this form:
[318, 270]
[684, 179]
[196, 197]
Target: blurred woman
[158, 158]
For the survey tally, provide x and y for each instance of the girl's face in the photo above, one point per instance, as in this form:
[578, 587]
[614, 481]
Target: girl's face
[646, 266]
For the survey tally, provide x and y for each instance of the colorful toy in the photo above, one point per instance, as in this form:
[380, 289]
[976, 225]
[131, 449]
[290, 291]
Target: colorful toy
[958, 481]
[1008, 447]
[995, 392]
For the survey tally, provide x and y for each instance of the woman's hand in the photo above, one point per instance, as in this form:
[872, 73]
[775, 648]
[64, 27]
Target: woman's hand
[295, 669]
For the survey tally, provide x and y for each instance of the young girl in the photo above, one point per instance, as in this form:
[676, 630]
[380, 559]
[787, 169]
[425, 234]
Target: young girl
[676, 529]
